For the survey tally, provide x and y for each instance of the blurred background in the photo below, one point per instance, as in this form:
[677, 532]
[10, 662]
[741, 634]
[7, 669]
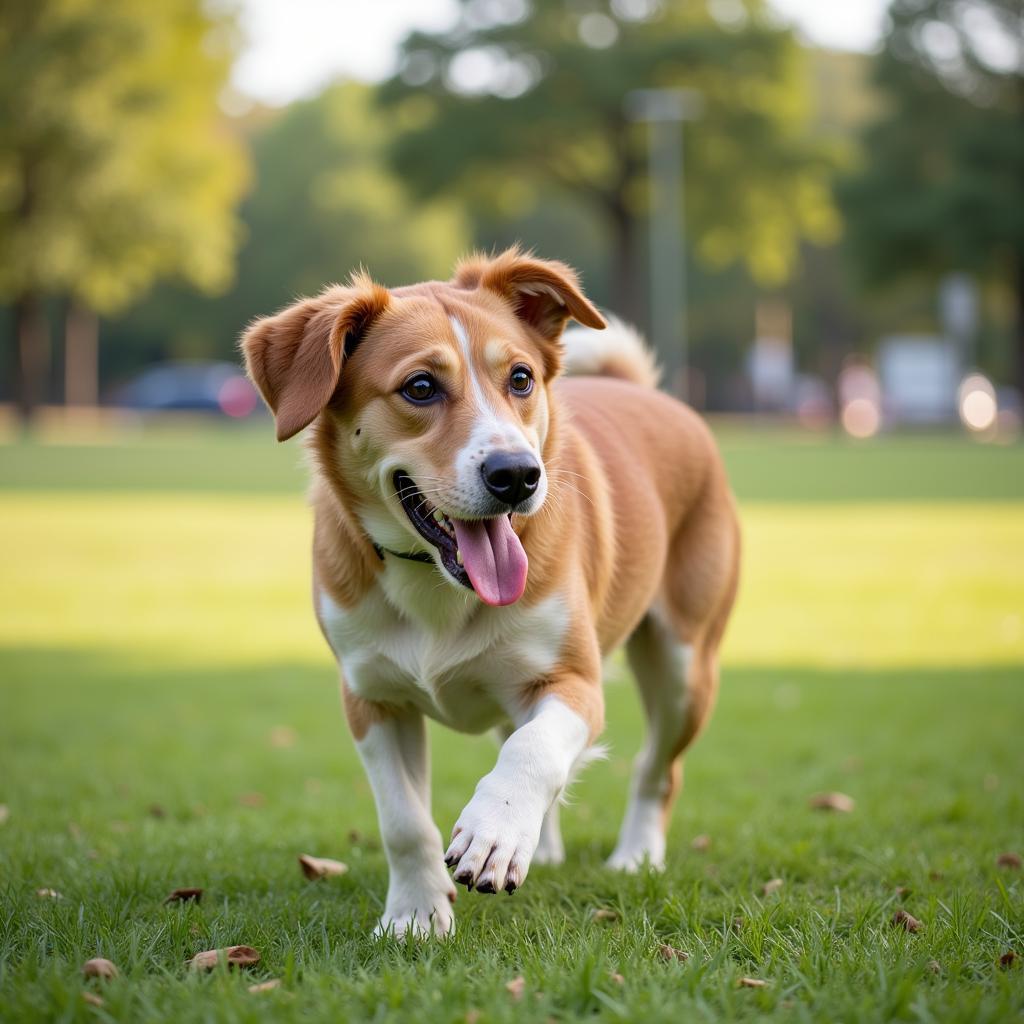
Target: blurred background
[815, 211]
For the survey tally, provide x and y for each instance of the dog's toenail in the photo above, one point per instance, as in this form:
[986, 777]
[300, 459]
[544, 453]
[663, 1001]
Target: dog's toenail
[486, 886]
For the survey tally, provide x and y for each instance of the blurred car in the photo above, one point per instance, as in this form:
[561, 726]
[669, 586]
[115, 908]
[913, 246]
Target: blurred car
[190, 385]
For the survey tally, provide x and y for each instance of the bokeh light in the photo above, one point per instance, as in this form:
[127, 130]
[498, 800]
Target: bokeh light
[977, 403]
[861, 417]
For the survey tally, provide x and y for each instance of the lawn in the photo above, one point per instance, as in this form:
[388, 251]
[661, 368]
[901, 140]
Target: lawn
[169, 717]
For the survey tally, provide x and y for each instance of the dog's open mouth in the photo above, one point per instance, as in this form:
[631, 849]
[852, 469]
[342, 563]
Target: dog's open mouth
[484, 555]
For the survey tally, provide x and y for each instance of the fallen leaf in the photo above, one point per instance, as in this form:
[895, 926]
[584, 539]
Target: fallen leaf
[903, 890]
[321, 867]
[603, 914]
[99, 968]
[5, 813]
[901, 919]
[472, 1016]
[266, 986]
[156, 811]
[92, 999]
[936, 876]
[185, 896]
[516, 987]
[751, 983]
[282, 737]
[618, 979]
[832, 802]
[934, 966]
[772, 885]
[1006, 960]
[701, 843]
[667, 952]
[252, 799]
[1009, 860]
[236, 956]
[49, 894]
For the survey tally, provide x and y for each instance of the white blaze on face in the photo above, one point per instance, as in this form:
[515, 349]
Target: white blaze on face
[490, 432]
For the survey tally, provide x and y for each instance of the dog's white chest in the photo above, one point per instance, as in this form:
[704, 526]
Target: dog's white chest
[466, 673]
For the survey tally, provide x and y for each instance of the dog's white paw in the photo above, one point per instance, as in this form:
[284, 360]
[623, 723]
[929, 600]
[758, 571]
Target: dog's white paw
[633, 860]
[418, 906]
[493, 842]
[550, 848]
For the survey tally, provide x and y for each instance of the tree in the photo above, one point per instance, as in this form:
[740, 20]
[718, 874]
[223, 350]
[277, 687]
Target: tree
[115, 167]
[942, 184]
[524, 96]
[323, 203]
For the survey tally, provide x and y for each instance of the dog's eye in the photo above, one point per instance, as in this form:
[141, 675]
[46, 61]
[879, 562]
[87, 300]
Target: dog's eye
[420, 388]
[521, 380]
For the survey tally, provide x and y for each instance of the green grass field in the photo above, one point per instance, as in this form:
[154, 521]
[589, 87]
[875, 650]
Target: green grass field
[169, 717]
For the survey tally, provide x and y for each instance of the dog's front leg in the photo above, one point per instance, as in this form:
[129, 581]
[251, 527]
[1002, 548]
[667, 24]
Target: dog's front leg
[393, 747]
[497, 833]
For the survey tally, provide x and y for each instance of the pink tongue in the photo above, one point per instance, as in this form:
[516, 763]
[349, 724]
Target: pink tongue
[494, 559]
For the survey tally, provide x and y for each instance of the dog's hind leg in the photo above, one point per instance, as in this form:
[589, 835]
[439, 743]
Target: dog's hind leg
[674, 656]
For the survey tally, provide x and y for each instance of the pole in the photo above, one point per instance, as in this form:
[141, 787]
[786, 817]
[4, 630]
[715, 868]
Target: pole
[664, 110]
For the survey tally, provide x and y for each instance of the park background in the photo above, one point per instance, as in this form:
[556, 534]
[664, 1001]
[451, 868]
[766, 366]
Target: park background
[168, 712]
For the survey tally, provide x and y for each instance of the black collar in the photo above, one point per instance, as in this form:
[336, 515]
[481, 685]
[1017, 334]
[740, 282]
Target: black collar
[412, 556]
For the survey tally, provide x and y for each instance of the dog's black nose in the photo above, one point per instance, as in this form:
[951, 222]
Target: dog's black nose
[511, 476]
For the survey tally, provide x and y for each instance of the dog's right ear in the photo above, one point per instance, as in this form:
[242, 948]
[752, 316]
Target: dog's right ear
[294, 357]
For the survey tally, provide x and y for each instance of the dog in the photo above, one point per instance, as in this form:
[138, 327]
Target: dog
[499, 504]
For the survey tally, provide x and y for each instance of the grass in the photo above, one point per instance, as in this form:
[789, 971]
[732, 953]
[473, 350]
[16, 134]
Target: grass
[156, 651]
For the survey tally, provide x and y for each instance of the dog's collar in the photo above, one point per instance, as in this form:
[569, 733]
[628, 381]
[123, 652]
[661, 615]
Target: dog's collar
[412, 556]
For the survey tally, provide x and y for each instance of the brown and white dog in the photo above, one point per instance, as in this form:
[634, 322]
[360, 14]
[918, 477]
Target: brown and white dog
[487, 531]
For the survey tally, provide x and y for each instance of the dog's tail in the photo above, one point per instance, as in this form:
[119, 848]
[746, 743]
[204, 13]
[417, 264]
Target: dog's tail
[617, 351]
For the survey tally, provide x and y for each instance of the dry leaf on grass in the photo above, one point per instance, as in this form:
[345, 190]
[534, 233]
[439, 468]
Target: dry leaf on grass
[1009, 860]
[185, 896]
[5, 813]
[772, 885]
[934, 966]
[832, 802]
[252, 799]
[701, 843]
[282, 737]
[472, 1016]
[618, 979]
[751, 983]
[901, 919]
[236, 956]
[603, 914]
[516, 987]
[99, 968]
[92, 999]
[266, 986]
[156, 811]
[49, 894]
[669, 953]
[321, 867]
[903, 890]
[1006, 960]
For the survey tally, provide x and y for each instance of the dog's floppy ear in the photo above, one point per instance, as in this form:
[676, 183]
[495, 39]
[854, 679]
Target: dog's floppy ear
[544, 293]
[295, 356]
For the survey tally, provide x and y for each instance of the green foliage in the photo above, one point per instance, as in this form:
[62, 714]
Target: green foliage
[522, 97]
[942, 186]
[323, 204]
[115, 168]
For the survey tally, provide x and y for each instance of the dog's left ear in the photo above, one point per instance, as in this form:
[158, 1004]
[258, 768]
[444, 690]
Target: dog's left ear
[295, 356]
[543, 293]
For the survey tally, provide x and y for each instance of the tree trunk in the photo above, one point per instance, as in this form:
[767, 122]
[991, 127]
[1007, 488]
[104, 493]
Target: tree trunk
[1019, 325]
[81, 356]
[32, 362]
[627, 301]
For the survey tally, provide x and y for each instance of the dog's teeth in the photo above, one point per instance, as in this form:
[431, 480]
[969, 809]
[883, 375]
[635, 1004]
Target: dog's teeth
[458, 555]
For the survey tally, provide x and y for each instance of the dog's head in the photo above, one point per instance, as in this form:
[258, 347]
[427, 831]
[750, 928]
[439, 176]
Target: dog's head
[438, 398]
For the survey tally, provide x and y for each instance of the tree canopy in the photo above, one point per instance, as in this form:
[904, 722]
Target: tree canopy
[942, 183]
[519, 97]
